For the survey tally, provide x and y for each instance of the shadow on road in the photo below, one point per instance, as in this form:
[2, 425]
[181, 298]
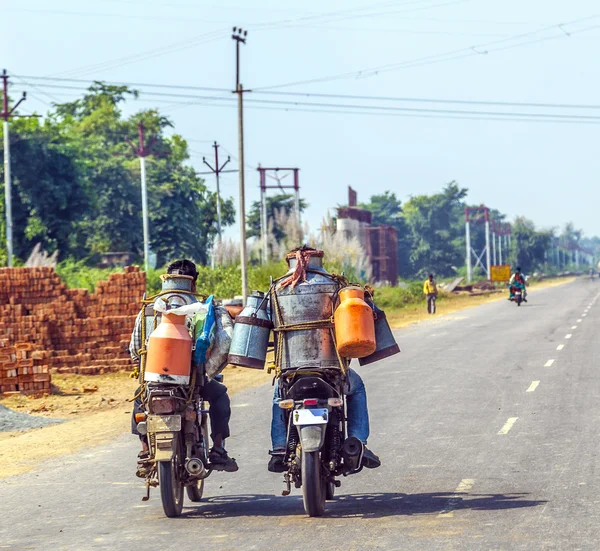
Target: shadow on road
[378, 505]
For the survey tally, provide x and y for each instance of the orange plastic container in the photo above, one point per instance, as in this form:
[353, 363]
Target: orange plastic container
[354, 324]
[169, 355]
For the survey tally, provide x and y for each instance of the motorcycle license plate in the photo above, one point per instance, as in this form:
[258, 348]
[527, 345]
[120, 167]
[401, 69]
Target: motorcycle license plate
[316, 416]
[164, 423]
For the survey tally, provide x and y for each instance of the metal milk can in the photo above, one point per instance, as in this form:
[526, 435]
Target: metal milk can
[310, 300]
[386, 343]
[251, 333]
[171, 284]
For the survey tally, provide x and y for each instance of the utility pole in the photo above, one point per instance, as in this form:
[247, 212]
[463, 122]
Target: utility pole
[487, 244]
[468, 240]
[216, 171]
[239, 36]
[494, 257]
[7, 114]
[142, 151]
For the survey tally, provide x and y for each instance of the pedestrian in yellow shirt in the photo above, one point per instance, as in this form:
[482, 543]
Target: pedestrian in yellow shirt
[431, 292]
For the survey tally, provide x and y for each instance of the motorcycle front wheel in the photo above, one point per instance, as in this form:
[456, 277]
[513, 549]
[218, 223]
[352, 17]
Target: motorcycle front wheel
[171, 487]
[313, 484]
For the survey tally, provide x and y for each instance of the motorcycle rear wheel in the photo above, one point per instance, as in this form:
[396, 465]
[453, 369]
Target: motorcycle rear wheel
[313, 484]
[195, 491]
[330, 491]
[171, 487]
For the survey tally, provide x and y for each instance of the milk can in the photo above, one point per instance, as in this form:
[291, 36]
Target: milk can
[354, 325]
[310, 300]
[251, 333]
[386, 343]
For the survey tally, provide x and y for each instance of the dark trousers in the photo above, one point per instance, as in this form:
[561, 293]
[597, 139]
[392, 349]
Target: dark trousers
[215, 394]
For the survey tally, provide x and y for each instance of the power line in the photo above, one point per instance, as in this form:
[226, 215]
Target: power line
[445, 56]
[308, 94]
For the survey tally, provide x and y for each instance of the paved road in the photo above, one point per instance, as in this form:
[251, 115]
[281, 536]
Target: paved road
[476, 454]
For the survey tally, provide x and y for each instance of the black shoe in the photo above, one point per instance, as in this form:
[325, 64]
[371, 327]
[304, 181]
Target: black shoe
[276, 464]
[219, 459]
[370, 460]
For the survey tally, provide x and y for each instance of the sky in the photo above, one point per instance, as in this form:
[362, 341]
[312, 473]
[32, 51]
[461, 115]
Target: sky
[456, 52]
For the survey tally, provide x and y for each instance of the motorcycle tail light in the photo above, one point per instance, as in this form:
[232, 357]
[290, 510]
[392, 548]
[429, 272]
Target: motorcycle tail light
[310, 402]
[286, 404]
[162, 404]
[139, 417]
[334, 402]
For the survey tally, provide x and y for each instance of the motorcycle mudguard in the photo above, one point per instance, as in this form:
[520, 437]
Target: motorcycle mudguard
[165, 445]
[312, 437]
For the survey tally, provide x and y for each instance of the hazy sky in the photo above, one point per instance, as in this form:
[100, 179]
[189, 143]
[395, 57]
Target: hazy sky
[517, 51]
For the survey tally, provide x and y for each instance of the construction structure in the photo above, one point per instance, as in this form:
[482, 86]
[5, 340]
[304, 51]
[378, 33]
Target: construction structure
[379, 242]
[274, 173]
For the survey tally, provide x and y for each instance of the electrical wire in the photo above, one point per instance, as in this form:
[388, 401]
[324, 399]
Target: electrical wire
[444, 56]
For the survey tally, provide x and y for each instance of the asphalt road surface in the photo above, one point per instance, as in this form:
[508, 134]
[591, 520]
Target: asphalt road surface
[486, 424]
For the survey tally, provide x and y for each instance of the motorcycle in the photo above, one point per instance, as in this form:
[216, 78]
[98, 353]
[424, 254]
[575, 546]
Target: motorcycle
[175, 423]
[317, 450]
[516, 291]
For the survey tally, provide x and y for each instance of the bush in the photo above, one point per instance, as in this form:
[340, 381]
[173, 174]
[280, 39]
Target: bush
[398, 297]
[77, 275]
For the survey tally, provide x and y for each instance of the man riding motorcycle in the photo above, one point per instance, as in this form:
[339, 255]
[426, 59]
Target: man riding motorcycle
[214, 392]
[519, 278]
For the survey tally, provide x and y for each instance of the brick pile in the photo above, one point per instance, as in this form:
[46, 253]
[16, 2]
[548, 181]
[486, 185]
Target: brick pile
[71, 330]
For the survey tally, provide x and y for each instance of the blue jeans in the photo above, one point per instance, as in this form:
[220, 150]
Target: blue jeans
[357, 411]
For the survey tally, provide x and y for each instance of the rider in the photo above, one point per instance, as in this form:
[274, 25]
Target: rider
[214, 392]
[518, 277]
[430, 291]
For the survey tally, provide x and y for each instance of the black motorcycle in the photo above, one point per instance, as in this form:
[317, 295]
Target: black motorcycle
[317, 450]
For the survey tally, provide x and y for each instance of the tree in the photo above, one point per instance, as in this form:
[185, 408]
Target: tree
[528, 246]
[284, 202]
[436, 234]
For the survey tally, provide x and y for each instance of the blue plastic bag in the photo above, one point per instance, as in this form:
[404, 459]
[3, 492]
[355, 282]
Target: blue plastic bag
[205, 340]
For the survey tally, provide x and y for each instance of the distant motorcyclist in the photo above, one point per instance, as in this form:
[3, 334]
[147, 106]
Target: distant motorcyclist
[518, 278]
[431, 292]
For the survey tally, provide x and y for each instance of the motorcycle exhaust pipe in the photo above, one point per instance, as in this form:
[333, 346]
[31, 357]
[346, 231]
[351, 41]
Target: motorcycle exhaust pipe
[352, 452]
[195, 467]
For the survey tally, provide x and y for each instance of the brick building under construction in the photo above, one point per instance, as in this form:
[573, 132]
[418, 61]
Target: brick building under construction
[380, 242]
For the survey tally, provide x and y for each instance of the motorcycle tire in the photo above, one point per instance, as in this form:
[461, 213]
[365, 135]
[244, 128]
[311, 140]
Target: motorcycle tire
[330, 491]
[171, 488]
[195, 491]
[313, 484]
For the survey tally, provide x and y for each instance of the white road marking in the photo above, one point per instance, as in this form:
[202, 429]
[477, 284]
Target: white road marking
[455, 499]
[549, 363]
[579, 320]
[240, 405]
[508, 425]
[533, 386]
[568, 336]
[560, 347]
[574, 327]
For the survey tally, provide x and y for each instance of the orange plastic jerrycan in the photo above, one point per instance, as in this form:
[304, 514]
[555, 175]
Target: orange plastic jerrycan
[169, 355]
[354, 324]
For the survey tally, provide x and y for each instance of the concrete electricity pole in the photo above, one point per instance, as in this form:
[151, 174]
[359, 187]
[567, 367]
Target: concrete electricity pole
[468, 240]
[142, 151]
[239, 36]
[7, 114]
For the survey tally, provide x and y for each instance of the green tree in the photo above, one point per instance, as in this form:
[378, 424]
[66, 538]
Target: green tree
[437, 236]
[528, 246]
[283, 202]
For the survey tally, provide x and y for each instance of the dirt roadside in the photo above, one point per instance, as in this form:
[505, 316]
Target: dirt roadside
[96, 408]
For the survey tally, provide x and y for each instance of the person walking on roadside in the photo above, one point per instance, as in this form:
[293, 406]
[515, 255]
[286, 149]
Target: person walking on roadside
[430, 291]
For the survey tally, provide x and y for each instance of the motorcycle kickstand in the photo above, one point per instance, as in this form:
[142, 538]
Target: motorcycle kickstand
[288, 483]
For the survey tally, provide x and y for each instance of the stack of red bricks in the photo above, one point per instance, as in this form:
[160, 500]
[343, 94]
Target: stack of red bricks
[75, 331]
[23, 369]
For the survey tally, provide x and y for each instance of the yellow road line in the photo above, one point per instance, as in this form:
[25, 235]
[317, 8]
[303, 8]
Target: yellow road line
[463, 488]
[508, 425]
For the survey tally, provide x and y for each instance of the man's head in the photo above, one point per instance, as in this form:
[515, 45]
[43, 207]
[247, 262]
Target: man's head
[518, 270]
[183, 267]
[430, 277]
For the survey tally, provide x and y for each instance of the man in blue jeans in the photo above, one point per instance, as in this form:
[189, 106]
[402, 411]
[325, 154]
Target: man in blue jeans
[358, 424]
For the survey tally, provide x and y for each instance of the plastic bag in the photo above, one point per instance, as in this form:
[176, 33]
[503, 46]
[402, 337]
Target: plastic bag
[217, 359]
[205, 340]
